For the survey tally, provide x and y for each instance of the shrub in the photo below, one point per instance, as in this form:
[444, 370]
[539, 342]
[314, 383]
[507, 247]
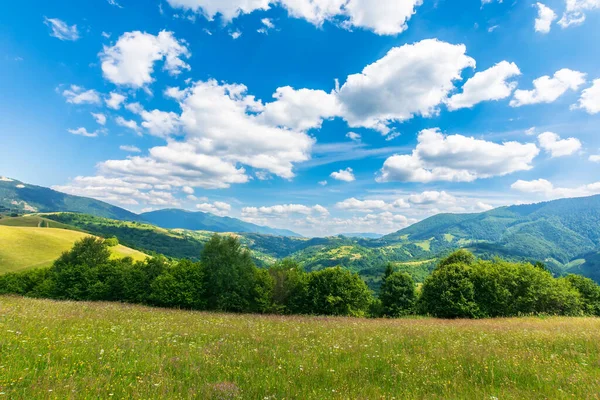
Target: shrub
[180, 285]
[335, 291]
[589, 291]
[397, 294]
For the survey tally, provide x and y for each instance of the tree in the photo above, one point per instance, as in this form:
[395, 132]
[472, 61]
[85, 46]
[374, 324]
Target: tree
[180, 285]
[289, 287]
[398, 294]
[461, 256]
[230, 275]
[589, 291]
[336, 291]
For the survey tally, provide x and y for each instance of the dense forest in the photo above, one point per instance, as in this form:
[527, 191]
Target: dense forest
[226, 279]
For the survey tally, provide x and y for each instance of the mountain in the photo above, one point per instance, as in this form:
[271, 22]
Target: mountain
[201, 221]
[19, 197]
[16, 196]
[362, 235]
[555, 232]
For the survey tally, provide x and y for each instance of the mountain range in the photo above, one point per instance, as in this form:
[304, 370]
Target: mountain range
[563, 234]
[19, 197]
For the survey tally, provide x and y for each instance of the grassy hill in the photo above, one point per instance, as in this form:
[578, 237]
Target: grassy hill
[25, 245]
[109, 350]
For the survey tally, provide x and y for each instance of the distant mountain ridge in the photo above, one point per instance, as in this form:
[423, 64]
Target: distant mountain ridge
[16, 196]
[201, 221]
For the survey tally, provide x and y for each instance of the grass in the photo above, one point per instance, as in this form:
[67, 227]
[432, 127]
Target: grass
[67, 350]
[23, 248]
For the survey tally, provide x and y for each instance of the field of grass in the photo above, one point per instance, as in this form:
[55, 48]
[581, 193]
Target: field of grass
[34, 221]
[69, 350]
[31, 247]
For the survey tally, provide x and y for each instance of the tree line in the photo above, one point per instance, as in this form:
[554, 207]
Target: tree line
[226, 279]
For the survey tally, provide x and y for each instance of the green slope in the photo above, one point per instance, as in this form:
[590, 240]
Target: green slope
[20, 197]
[24, 247]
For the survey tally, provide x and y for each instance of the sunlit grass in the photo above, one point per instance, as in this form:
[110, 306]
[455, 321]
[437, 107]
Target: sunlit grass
[100, 350]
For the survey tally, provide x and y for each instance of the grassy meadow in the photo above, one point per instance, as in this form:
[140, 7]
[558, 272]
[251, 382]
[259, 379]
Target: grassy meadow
[63, 350]
[26, 247]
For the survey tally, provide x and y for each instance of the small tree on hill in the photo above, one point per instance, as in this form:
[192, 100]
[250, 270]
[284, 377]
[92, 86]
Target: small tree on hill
[398, 294]
[230, 274]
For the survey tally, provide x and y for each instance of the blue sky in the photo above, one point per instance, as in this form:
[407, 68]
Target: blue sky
[322, 116]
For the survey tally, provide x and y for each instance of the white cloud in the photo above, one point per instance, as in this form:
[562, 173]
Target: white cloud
[544, 19]
[267, 26]
[457, 158]
[345, 175]
[61, 30]
[83, 132]
[384, 17]
[130, 149]
[114, 100]
[217, 208]
[323, 183]
[127, 123]
[118, 191]
[114, 3]
[575, 11]
[187, 190]
[302, 109]
[354, 204]
[409, 80]
[106, 35]
[590, 99]
[595, 158]
[547, 89]
[490, 84]
[100, 118]
[552, 143]
[546, 189]
[355, 137]
[432, 197]
[235, 34]
[158, 123]
[530, 131]
[78, 95]
[131, 60]
[283, 210]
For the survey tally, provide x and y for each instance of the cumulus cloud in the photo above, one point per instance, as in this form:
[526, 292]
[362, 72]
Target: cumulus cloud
[114, 100]
[345, 175]
[187, 190]
[355, 137]
[83, 132]
[457, 158]
[575, 11]
[117, 191]
[410, 80]
[301, 109]
[557, 147]
[78, 95]
[544, 19]
[130, 149]
[547, 89]
[157, 123]
[127, 124]
[384, 17]
[61, 30]
[546, 189]
[491, 84]
[590, 99]
[100, 118]
[283, 210]
[373, 205]
[595, 158]
[217, 208]
[130, 62]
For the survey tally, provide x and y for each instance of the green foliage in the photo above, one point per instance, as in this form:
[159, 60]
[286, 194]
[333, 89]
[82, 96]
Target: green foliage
[230, 275]
[180, 285]
[290, 285]
[479, 289]
[335, 291]
[112, 241]
[589, 290]
[398, 294]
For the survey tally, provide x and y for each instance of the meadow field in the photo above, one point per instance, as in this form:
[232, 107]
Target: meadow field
[26, 247]
[68, 350]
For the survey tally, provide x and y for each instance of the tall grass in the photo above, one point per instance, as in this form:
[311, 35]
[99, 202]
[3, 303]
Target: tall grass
[66, 350]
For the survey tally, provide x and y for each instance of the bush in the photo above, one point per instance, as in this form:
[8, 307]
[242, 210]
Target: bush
[180, 285]
[112, 242]
[589, 291]
[397, 294]
[336, 291]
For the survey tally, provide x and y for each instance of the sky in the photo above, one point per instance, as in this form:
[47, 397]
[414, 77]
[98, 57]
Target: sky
[319, 116]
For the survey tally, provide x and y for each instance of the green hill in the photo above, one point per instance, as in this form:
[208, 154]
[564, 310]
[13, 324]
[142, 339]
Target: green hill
[24, 247]
[21, 197]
